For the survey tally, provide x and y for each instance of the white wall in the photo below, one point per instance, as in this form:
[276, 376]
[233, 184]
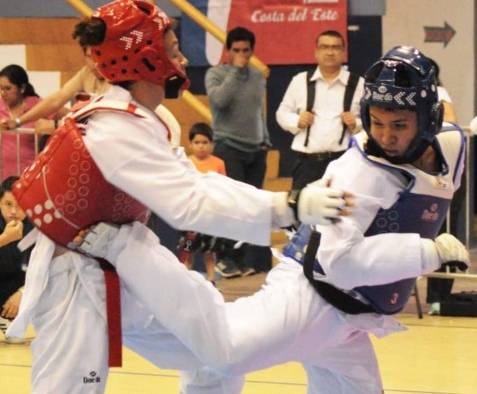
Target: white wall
[404, 23]
[44, 82]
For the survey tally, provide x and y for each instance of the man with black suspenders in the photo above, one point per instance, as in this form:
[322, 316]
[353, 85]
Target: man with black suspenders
[321, 108]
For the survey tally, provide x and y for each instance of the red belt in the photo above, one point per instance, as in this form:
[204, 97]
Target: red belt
[113, 311]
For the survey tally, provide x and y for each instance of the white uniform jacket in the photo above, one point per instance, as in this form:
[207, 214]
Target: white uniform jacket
[349, 258]
[136, 156]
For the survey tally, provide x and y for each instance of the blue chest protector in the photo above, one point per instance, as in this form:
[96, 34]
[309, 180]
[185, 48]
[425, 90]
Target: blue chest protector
[421, 214]
[412, 213]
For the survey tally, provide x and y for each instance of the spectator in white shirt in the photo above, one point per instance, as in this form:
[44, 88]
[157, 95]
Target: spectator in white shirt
[321, 126]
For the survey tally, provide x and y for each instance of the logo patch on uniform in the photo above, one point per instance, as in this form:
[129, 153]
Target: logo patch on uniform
[92, 378]
[431, 214]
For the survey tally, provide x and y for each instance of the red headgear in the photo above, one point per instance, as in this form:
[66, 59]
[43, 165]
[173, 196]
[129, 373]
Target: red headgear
[133, 46]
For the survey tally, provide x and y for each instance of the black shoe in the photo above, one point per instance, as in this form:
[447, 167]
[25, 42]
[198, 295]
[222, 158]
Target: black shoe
[4, 323]
[227, 268]
[247, 271]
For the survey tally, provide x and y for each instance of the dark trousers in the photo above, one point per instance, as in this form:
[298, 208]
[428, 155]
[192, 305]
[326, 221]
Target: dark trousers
[311, 167]
[9, 285]
[169, 236]
[439, 289]
[247, 167]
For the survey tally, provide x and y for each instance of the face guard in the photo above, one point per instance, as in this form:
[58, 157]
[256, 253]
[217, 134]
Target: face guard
[403, 79]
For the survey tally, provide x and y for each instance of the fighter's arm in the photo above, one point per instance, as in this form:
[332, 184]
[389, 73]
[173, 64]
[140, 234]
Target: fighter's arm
[144, 166]
[351, 259]
[54, 102]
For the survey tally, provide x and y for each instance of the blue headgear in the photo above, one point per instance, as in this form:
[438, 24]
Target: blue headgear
[403, 79]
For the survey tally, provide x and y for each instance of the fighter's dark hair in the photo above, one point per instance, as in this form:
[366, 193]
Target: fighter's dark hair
[90, 32]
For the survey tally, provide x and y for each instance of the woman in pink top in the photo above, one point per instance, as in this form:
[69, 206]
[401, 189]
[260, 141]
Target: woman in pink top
[17, 97]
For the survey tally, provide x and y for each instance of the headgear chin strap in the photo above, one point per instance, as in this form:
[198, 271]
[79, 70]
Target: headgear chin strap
[173, 87]
[403, 79]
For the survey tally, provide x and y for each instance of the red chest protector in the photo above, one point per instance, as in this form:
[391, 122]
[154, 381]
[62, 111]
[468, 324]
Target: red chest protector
[63, 191]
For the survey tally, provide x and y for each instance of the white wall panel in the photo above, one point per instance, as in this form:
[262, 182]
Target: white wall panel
[405, 22]
[44, 82]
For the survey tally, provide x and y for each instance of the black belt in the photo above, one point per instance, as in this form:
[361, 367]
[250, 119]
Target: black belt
[321, 155]
[339, 299]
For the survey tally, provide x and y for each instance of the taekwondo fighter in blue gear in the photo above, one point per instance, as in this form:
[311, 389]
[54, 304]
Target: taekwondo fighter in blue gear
[329, 292]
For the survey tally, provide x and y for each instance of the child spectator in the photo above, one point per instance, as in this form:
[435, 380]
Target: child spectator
[12, 262]
[201, 141]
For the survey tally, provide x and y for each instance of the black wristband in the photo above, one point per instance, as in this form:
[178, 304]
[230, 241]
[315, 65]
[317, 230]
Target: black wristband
[56, 123]
[292, 201]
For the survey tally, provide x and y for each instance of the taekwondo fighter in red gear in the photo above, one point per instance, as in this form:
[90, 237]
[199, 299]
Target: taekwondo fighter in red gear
[108, 162]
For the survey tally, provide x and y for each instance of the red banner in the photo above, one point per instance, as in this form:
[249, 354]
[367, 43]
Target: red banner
[286, 30]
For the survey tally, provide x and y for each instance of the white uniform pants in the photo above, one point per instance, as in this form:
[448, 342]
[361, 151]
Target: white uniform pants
[70, 350]
[285, 321]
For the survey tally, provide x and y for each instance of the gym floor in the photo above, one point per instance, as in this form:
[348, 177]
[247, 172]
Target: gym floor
[436, 355]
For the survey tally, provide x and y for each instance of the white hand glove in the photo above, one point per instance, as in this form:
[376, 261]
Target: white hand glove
[98, 239]
[318, 204]
[452, 252]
